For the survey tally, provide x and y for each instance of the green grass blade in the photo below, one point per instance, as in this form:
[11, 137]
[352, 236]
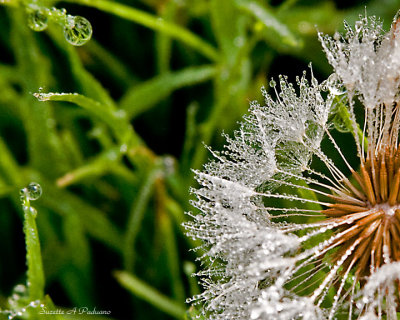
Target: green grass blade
[34, 70]
[35, 272]
[143, 96]
[77, 277]
[270, 21]
[115, 67]
[113, 118]
[9, 168]
[94, 221]
[172, 253]
[89, 85]
[229, 28]
[190, 137]
[164, 41]
[99, 166]
[143, 291]
[155, 23]
[136, 216]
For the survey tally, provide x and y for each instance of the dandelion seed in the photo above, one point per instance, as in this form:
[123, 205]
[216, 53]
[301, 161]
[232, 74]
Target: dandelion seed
[287, 241]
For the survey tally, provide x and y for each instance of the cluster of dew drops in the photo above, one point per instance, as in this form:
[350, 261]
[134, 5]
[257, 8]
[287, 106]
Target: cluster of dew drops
[20, 306]
[32, 192]
[77, 29]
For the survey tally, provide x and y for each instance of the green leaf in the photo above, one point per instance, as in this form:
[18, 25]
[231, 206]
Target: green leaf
[145, 95]
[144, 291]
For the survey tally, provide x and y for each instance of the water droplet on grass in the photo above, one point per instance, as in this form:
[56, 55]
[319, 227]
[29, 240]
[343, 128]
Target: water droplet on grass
[33, 212]
[33, 191]
[77, 30]
[123, 148]
[37, 20]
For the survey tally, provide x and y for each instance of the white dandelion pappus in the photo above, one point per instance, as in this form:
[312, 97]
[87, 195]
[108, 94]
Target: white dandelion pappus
[284, 240]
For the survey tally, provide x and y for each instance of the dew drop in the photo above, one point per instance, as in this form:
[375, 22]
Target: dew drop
[37, 20]
[123, 148]
[20, 288]
[238, 42]
[22, 194]
[77, 30]
[53, 11]
[121, 114]
[33, 212]
[272, 83]
[34, 191]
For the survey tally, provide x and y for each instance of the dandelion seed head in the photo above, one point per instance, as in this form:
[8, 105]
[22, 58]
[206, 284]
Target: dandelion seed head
[282, 240]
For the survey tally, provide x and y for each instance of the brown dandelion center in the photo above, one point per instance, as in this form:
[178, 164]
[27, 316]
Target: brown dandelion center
[368, 215]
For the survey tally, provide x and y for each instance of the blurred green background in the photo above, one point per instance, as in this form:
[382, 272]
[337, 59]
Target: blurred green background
[161, 79]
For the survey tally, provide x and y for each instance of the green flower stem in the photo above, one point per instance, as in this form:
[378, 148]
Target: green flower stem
[155, 23]
[143, 291]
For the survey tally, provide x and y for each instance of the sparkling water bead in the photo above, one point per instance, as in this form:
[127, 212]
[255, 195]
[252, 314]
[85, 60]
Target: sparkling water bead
[34, 191]
[23, 194]
[77, 30]
[33, 211]
[37, 20]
